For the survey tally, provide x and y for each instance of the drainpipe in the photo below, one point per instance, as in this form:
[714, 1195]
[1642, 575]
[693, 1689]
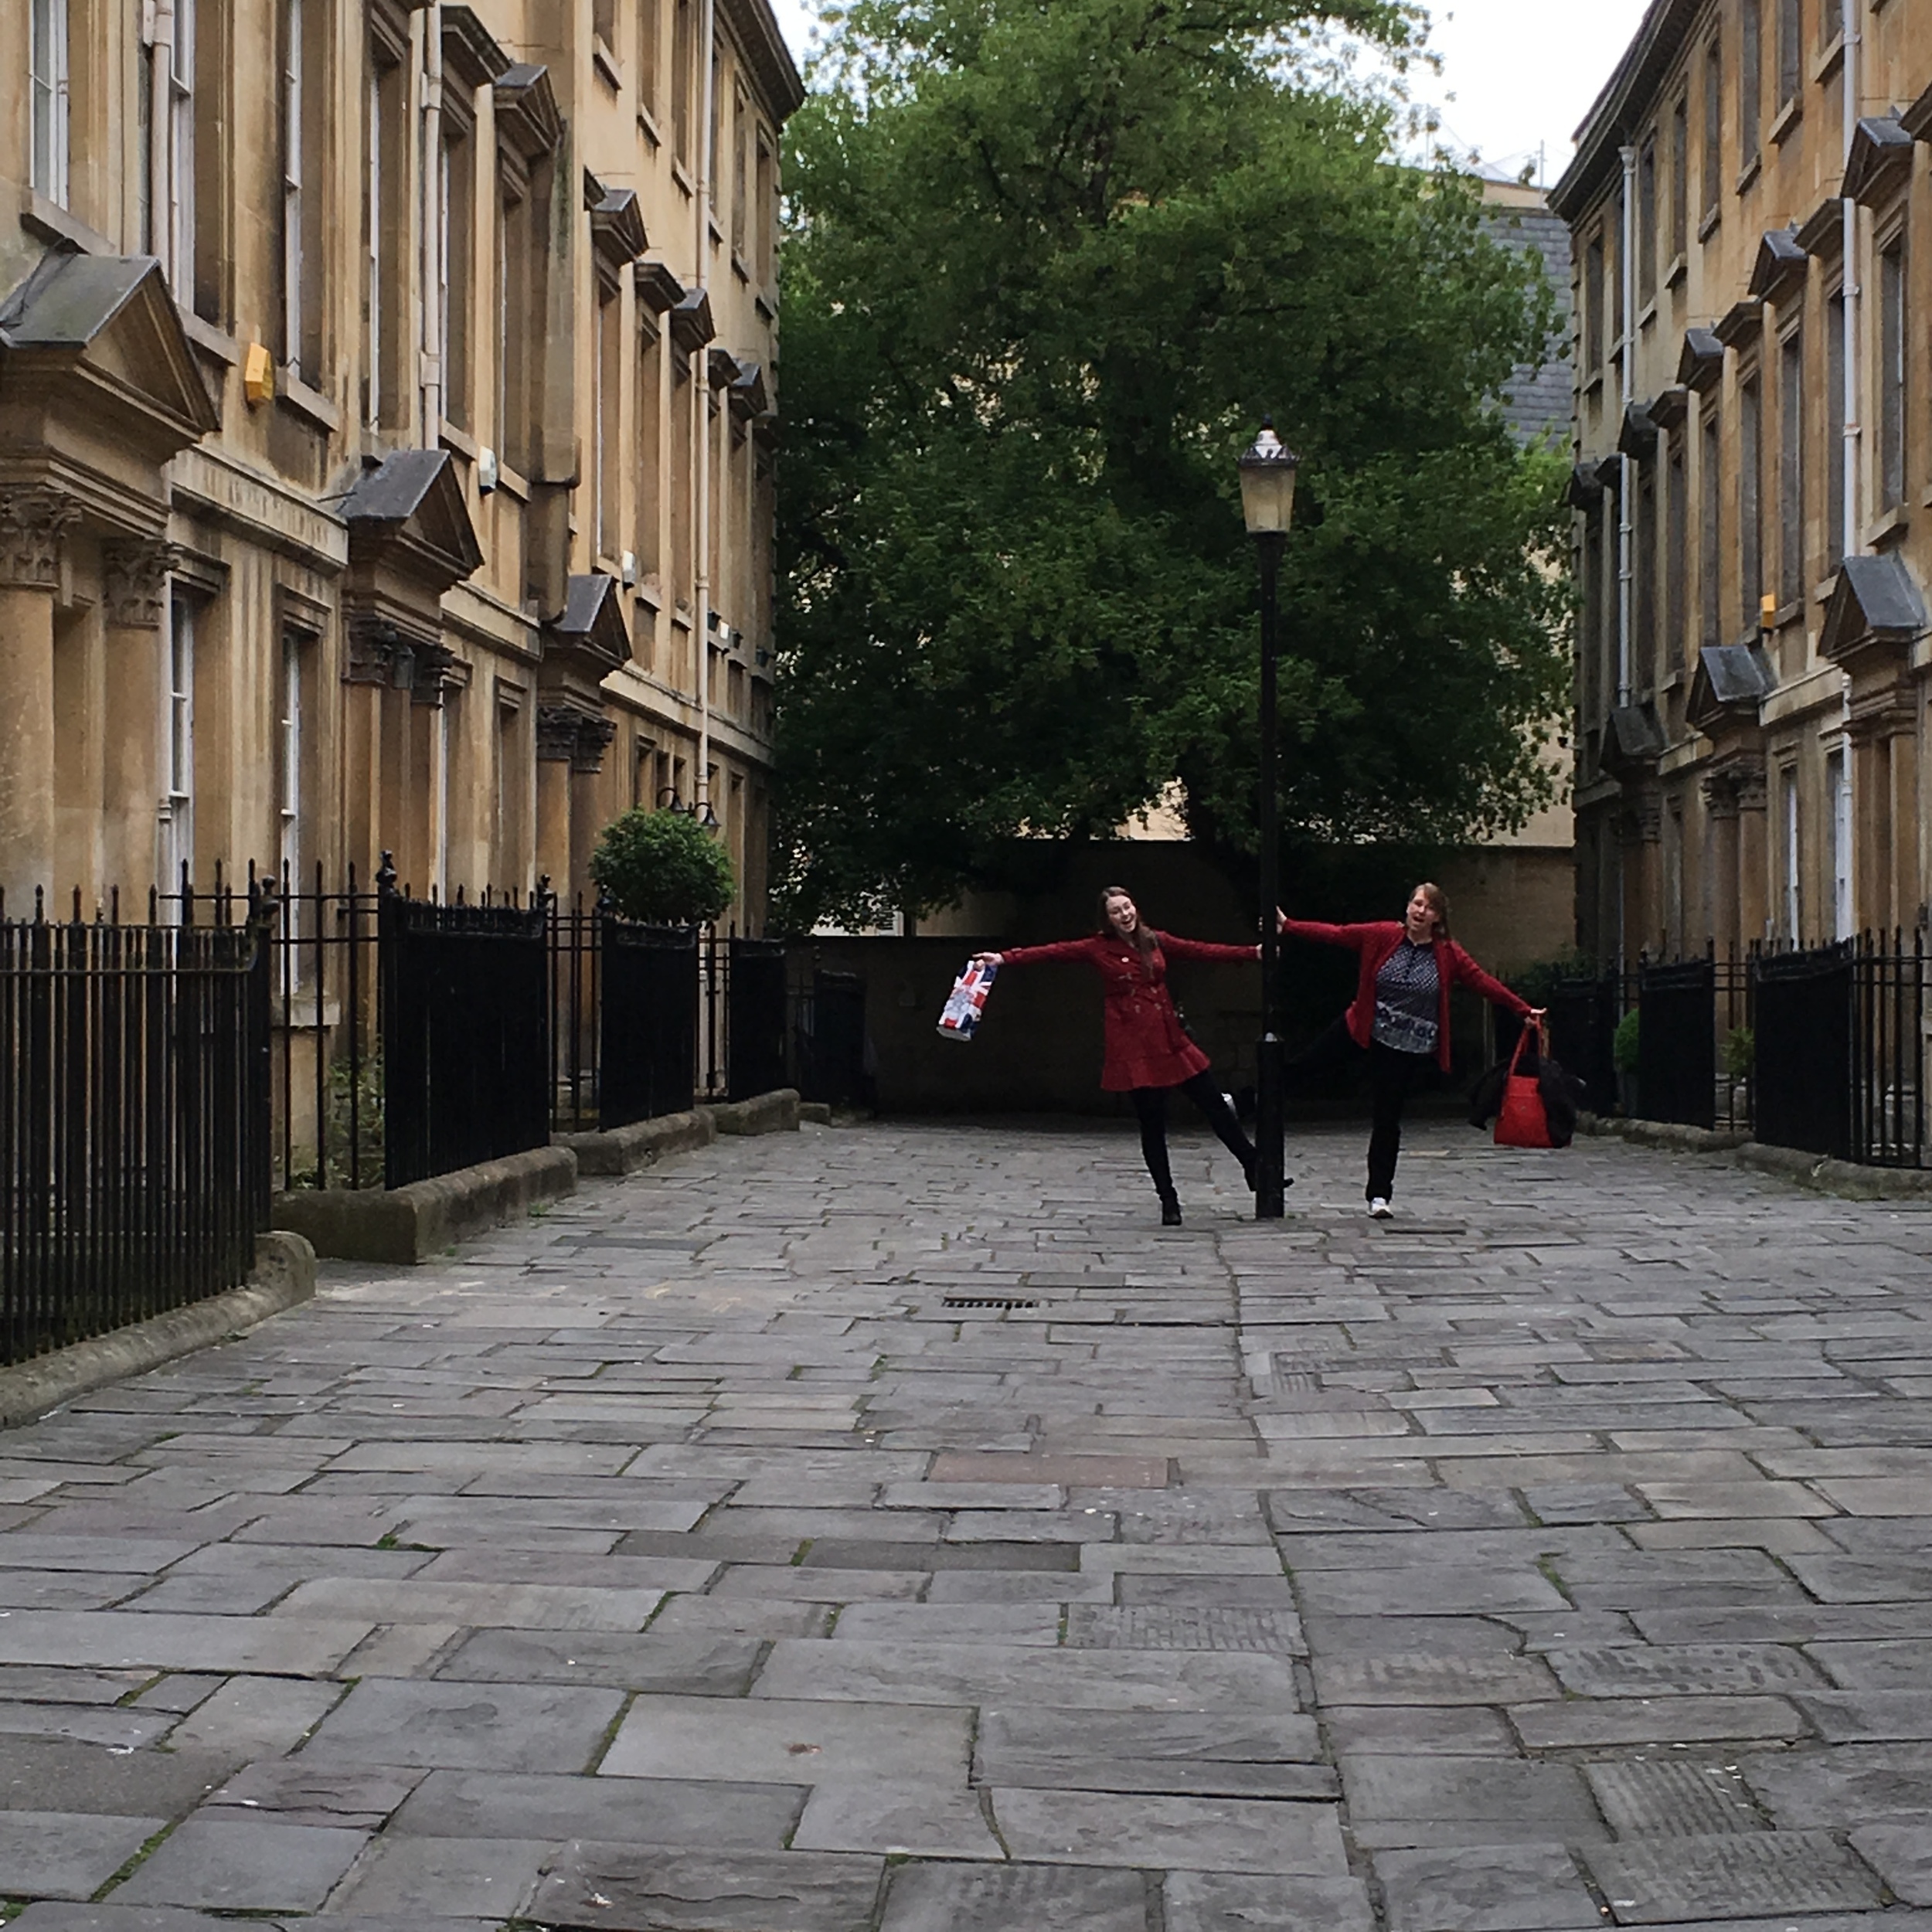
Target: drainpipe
[161, 141]
[1854, 435]
[700, 436]
[432, 362]
[1854, 44]
[1627, 512]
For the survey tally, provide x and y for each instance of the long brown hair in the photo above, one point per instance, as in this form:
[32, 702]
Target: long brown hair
[1438, 904]
[1144, 936]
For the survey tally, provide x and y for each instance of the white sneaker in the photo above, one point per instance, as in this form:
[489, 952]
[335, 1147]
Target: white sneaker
[1380, 1209]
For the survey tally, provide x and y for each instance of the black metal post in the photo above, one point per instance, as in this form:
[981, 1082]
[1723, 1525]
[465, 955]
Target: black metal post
[1270, 1189]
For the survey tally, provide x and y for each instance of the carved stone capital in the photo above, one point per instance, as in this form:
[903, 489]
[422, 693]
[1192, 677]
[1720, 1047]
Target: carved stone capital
[1720, 797]
[557, 726]
[593, 740]
[33, 519]
[137, 583]
[1753, 792]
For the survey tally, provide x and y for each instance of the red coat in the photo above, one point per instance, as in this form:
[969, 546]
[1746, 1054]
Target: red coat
[1374, 943]
[1145, 1046]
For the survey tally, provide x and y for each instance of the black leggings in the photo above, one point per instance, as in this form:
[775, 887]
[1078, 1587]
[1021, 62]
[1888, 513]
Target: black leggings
[1150, 1104]
[1392, 1077]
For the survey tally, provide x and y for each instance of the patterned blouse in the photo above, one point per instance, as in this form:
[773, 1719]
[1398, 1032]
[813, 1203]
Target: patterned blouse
[1407, 993]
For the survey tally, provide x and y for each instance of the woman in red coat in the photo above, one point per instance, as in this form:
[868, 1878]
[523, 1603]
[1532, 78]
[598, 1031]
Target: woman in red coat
[1148, 1052]
[1399, 1020]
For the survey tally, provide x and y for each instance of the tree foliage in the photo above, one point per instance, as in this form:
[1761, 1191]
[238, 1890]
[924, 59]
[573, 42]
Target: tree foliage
[662, 867]
[1048, 262]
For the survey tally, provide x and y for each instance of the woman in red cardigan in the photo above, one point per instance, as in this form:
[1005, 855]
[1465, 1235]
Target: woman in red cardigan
[1148, 1052]
[1399, 1019]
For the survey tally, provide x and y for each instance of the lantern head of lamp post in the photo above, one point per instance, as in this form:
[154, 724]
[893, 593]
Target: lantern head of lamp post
[1267, 467]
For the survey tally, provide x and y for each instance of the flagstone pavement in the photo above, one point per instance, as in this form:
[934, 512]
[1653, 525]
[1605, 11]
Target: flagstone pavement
[890, 1529]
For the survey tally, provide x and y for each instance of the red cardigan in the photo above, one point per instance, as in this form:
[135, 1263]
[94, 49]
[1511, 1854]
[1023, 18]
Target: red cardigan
[1373, 944]
[1145, 1046]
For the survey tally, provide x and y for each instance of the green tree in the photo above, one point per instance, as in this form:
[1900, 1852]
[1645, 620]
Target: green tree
[662, 867]
[1049, 261]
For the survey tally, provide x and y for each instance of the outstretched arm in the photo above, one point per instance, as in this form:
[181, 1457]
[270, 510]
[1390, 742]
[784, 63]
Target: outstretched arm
[1493, 990]
[1175, 948]
[1354, 937]
[1062, 949]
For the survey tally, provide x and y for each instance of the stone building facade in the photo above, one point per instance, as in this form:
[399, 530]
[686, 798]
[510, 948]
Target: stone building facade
[387, 406]
[1751, 207]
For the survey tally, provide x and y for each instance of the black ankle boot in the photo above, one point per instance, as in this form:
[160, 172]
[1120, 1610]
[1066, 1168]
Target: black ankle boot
[1170, 1211]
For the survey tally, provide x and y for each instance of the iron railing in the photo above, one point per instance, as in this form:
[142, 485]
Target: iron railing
[465, 1034]
[135, 1116]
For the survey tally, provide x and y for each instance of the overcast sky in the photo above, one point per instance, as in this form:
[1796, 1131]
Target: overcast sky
[1517, 75]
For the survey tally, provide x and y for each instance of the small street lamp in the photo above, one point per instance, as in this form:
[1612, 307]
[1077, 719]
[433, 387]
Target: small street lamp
[1267, 468]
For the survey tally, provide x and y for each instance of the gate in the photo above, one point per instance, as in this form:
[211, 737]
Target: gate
[1583, 1026]
[466, 1055]
[1803, 1076]
[755, 1018]
[648, 1022]
[831, 1040]
[1677, 1042]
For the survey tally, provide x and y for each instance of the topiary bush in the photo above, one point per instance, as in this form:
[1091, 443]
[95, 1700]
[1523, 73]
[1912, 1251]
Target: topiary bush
[663, 868]
[1623, 1045]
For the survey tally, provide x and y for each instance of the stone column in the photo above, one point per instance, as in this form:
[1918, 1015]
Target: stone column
[556, 744]
[1907, 888]
[1720, 809]
[1754, 855]
[586, 804]
[1643, 831]
[32, 522]
[1871, 830]
[135, 607]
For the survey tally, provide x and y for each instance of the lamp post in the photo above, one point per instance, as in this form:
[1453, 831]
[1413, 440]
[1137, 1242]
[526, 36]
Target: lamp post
[1267, 468]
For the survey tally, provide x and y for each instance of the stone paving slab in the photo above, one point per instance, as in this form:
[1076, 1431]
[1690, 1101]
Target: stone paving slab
[683, 1550]
[632, 1890]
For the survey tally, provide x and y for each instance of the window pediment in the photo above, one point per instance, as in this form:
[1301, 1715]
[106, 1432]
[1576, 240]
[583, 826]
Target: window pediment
[1732, 681]
[103, 331]
[1783, 260]
[1877, 602]
[1880, 160]
[1701, 367]
[408, 515]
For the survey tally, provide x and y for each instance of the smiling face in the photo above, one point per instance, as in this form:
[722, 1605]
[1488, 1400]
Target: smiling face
[1421, 919]
[1123, 915]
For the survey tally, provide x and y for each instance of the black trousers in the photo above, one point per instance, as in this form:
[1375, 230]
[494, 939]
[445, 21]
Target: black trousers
[1392, 1077]
[1150, 1104]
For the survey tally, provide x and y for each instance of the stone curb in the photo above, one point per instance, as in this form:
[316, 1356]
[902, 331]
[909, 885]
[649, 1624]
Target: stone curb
[623, 1150]
[1684, 1140]
[407, 1225]
[283, 1275]
[773, 1113]
[1821, 1174]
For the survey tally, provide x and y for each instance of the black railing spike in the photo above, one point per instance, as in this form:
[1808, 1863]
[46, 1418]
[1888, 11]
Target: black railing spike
[40, 905]
[386, 873]
[79, 918]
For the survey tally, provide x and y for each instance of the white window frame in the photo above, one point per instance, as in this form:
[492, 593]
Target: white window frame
[1793, 899]
[48, 101]
[288, 804]
[181, 137]
[292, 28]
[1838, 787]
[177, 742]
[372, 348]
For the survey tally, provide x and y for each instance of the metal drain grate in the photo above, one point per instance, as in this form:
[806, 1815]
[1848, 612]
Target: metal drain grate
[988, 1302]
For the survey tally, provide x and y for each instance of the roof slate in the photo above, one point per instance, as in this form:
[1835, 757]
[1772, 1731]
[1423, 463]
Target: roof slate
[1537, 402]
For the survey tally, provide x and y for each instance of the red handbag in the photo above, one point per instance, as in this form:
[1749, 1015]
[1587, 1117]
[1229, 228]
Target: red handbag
[1522, 1122]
